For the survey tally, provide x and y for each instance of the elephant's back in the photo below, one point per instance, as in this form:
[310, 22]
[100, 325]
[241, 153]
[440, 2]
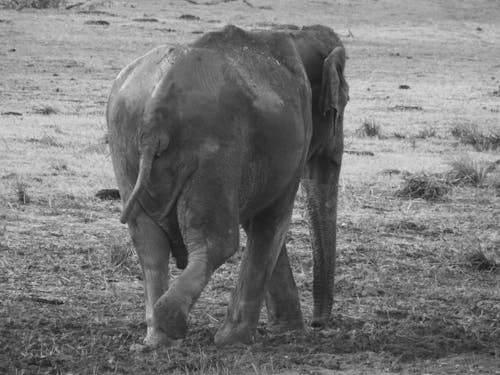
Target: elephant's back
[136, 82]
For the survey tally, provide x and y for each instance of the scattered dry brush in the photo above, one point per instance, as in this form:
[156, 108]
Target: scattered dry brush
[434, 186]
[469, 134]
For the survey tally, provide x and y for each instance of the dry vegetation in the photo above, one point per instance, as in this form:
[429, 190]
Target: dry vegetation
[418, 280]
[36, 4]
[369, 128]
[469, 134]
[423, 185]
[434, 186]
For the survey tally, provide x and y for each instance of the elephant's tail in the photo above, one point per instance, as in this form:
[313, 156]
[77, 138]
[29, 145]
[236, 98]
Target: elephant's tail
[145, 165]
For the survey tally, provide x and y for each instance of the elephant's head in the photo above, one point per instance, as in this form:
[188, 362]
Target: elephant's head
[323, 57]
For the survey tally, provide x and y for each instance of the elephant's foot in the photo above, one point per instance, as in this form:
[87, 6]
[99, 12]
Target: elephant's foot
[171, 317]
[232, 333]
[284, 314]
[319, 322]
[155, 338]
[286, 325]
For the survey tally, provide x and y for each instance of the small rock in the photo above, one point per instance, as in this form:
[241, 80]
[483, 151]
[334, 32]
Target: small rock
[145, 20]
[189, 17]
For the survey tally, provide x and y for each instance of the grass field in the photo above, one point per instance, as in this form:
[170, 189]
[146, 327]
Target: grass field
[418, 280]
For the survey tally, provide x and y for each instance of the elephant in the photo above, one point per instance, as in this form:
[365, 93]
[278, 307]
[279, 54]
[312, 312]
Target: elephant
[218, 133]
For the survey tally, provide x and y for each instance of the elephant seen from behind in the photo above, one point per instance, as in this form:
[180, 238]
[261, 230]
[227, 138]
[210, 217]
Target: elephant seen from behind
[219, 133]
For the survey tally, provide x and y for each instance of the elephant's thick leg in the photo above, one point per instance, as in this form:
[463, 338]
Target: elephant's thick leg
[282, 298]
[208, 222]
[321, 187]
[153, 250]
[266, 233]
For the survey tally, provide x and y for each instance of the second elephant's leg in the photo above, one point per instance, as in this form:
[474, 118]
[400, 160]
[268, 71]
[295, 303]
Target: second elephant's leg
[282, 298]
[266, 234]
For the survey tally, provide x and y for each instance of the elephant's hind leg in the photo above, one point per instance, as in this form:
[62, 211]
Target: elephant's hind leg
[153, 250]
[282, 298]
[208, 222]
[266, 234]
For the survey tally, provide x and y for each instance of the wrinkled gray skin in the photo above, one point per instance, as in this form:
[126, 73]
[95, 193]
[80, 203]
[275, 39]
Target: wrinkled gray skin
[219, 133]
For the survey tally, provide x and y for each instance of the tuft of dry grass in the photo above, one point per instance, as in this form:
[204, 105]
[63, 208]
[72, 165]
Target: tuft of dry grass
[480, 262]
[369, 128]
[469, 134]
[399, 135]
[121, 256]
[466, 171]
[21, 190]
[46, 140]
[427, 132]
[45, 110]
[423, 185]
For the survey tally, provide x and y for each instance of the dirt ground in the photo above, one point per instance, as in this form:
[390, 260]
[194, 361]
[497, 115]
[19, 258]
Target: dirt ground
[408, 300]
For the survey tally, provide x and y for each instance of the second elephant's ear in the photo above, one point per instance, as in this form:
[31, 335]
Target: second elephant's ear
[334, 90]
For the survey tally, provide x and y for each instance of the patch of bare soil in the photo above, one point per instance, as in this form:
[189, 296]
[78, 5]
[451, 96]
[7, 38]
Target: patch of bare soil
[417, 284]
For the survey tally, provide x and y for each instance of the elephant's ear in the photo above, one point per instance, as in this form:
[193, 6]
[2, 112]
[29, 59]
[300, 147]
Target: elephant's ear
[334, 90]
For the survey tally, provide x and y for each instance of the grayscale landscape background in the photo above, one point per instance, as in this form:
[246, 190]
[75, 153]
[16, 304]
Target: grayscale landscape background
[418, 276]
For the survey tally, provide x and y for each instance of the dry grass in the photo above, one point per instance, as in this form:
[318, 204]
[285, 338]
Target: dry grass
[470, 134]
[369, 128]
[480, 262]
[427, 132]
[21, 191]
[428, 186]
[435, 186]
[46, 140]
[45, 110]
[399, 135]
[36, 4]
[466, 171]
[124, 257]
